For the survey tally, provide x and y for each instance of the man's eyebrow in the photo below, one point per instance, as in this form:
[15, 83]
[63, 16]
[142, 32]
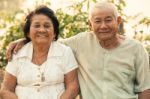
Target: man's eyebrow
[109, 17]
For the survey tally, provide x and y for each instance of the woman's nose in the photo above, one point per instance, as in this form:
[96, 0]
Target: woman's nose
[42, 29]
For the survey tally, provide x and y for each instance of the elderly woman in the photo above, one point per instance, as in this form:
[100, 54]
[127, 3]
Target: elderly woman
[43, 68]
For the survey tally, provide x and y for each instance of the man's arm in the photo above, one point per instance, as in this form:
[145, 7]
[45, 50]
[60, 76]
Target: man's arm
[13, 47]
[142, 73]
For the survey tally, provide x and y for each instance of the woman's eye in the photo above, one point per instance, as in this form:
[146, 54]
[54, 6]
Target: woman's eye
[46, 26]
[36, 26]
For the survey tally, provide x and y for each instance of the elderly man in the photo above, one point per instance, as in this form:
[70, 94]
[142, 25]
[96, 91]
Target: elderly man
[111, 66]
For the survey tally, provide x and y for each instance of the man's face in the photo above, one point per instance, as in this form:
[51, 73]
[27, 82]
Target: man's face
[104, 24]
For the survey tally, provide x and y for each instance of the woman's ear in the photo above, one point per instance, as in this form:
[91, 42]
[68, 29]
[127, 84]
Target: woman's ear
[28, 35]
[54, 37]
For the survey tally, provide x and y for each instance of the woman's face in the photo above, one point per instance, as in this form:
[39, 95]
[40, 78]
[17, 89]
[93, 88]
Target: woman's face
[41, 29]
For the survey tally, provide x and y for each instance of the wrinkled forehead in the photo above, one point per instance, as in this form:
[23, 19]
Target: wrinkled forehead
[103, 13]
[103, 8]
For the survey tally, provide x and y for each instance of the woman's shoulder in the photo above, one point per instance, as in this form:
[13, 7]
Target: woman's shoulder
[60, 45]
[58, 49]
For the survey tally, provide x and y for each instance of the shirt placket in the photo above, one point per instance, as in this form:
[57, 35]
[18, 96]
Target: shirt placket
[105, 64]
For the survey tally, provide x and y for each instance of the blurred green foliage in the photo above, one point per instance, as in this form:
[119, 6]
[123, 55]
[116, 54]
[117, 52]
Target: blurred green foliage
[13, 32]
[73, 22]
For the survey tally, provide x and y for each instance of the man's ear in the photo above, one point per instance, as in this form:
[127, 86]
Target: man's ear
[119, 20]
[90, 26]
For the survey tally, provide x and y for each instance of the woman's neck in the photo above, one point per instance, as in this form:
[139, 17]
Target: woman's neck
[41, 47]
[40, 53]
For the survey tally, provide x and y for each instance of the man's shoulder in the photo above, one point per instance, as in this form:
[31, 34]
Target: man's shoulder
[133, 41]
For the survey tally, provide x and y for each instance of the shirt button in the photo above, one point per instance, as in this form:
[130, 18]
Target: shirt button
[105, 97]
[38, 90]
[37, 85]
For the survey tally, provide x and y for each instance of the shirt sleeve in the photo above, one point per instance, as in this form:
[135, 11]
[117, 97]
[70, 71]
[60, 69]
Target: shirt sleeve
[72, 42]
[142, 70]
[69, 61]
[12, 67]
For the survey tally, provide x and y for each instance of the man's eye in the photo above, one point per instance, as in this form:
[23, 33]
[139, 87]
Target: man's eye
[97, 21]
[108, 20]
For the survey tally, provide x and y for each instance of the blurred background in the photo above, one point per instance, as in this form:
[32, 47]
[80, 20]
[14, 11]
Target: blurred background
[72, 15]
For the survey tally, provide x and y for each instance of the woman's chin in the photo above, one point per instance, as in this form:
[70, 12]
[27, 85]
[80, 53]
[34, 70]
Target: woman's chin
[42, 43]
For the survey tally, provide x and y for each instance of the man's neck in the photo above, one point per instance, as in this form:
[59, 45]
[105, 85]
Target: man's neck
[112, 43]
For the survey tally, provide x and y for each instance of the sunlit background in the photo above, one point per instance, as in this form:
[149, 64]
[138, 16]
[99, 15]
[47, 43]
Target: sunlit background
[137, 7]
[133, 7]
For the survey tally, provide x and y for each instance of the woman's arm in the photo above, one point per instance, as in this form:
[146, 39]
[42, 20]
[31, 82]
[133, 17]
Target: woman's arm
[144, 95]
[8, 87]
[72, 85]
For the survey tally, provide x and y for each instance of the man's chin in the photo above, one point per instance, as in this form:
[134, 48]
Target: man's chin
[104, 38]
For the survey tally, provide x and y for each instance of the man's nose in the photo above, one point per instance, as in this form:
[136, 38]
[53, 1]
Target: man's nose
[103, 25]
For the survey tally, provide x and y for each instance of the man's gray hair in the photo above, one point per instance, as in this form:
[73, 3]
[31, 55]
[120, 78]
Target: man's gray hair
[103, 5]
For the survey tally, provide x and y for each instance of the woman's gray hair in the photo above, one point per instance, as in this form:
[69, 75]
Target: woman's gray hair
[103, 5]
